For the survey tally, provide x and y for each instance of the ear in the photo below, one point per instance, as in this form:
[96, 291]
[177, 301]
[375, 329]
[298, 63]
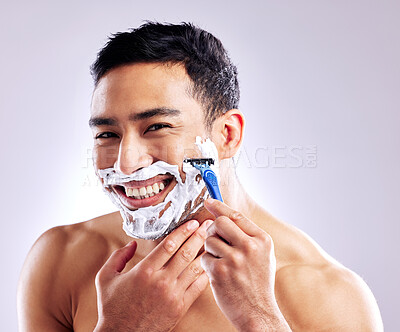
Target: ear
[229, 130]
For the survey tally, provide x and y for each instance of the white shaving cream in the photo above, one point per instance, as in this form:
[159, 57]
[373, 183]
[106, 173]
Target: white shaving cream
[183, 200]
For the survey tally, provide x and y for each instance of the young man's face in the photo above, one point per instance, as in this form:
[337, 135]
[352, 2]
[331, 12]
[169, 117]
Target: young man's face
[141, 114]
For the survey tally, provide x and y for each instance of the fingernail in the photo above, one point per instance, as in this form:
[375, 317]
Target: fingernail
[192, 225]
[210, 201]
[129, 243]
[208, 223]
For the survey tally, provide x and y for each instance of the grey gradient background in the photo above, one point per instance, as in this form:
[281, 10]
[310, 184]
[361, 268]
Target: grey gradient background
[321, 74]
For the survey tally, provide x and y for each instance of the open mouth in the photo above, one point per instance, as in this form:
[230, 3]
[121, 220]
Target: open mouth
[137, 194]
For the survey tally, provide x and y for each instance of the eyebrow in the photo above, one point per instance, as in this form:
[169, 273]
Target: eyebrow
[161, 111]
[101, 121]
[154, 112]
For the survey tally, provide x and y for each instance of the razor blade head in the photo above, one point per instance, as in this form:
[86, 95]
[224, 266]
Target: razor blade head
[200, 161]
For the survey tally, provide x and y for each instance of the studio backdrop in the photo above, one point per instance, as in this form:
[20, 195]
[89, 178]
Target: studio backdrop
[320, 84]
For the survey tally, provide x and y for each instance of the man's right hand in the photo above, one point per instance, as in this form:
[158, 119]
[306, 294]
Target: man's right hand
[156, 293]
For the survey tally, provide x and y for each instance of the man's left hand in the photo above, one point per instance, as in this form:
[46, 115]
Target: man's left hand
[241, 265]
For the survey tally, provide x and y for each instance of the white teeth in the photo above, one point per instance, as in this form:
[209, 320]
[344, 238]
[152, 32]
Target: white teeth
[142, 191]
[149, 190]
[145, 192]
[156, 188]
[135, 192]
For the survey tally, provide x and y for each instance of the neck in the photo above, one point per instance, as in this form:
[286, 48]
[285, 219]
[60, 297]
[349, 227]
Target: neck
[233, 193]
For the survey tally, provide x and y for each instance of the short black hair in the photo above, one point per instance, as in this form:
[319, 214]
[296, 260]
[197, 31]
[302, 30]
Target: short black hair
[214, 77]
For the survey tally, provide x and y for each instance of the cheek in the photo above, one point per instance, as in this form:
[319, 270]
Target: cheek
[170, 152]
[173, 154]
[104, 157]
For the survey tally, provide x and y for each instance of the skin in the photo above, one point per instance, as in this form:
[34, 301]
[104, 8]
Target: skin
[237, 268]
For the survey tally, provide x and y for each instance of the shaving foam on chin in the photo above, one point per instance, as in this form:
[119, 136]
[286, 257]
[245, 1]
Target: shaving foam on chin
[184, 199]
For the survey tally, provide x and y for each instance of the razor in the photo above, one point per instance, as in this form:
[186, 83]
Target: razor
[209, 177]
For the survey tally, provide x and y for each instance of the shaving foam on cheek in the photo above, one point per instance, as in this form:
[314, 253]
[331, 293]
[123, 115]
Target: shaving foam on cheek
[185, 198]
[208, 150]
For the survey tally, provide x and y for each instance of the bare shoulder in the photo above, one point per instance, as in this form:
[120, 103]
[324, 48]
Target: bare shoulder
[58, 263]
[313, 290]
[68, 246]
[326, 297]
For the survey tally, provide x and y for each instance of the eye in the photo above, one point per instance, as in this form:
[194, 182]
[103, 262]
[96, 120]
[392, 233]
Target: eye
[157, 126]
[106, 135]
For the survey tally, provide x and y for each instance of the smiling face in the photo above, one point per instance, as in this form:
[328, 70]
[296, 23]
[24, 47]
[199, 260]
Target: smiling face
[142, 114]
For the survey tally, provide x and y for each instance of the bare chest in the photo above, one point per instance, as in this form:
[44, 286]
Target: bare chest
[203, 315]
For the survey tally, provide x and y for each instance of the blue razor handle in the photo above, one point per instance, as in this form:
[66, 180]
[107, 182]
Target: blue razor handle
[211, 181]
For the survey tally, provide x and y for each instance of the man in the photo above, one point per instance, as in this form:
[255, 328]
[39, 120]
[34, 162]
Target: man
[161, 91]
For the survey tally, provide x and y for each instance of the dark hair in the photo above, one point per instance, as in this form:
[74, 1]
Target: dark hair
[214, 76]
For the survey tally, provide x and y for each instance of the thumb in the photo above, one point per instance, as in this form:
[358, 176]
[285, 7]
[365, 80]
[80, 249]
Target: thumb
[118, 259]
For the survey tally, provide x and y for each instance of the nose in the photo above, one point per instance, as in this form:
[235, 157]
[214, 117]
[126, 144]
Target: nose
[132, 156]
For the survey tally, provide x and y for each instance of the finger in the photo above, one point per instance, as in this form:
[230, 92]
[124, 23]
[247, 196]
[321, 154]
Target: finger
[218, 209]
[217, 269]
[187, 253]
[118, 259]
[208, 262]
[190, 274]
[168, 247]
[195, 289]
[226, 229]
[217, 247]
